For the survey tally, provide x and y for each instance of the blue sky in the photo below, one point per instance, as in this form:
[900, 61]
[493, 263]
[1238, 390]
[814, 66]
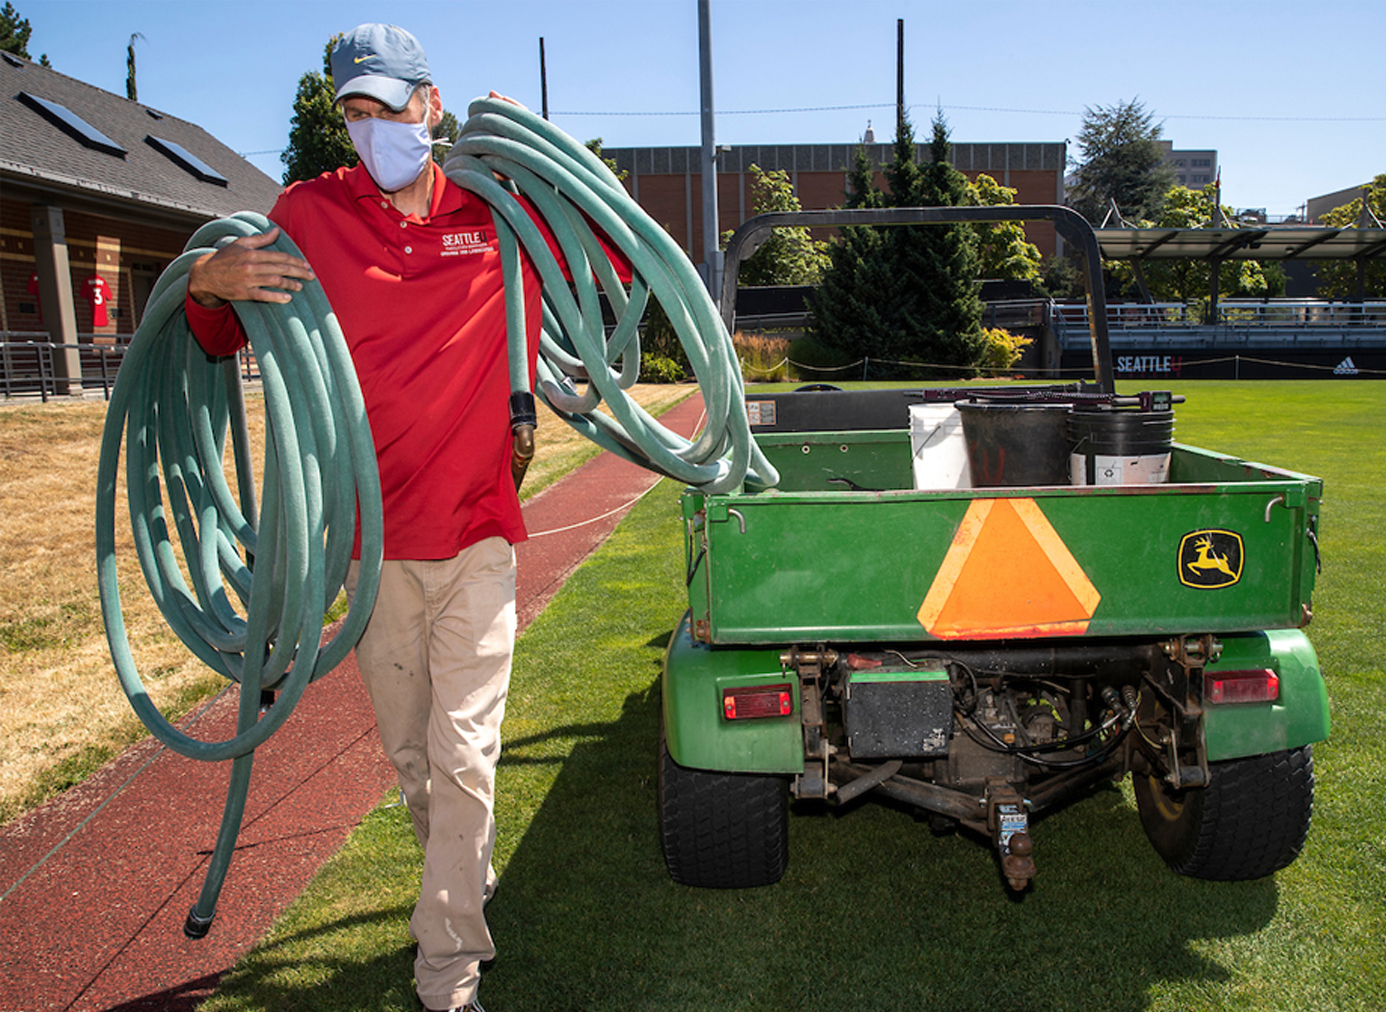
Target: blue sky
[1289, 93]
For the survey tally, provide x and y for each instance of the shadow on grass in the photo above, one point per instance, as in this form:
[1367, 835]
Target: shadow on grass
[875, 911]
[322, 966]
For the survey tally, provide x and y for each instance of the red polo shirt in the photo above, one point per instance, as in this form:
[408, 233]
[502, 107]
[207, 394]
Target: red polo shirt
[422, 305]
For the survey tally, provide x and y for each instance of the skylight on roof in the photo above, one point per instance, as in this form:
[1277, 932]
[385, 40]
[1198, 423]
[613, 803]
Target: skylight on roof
[186, 159]
[71, 124]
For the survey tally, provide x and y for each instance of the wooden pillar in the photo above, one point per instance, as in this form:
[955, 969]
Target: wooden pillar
[55, 294]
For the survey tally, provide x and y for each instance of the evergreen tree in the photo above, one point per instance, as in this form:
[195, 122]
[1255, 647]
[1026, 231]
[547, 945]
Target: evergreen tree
[131, 86]
[904, 293]
[849, 303]
[14, 34]
[318, 140]
[1123, 161]
[445, 135]
[937, 264]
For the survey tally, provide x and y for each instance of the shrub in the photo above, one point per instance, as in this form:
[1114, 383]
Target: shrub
[660, 369]
[1001, 350]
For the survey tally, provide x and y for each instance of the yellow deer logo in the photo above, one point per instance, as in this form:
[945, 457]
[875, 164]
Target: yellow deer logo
[1210, 559]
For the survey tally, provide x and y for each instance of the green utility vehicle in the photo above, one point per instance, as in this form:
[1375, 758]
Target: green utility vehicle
[988, 643]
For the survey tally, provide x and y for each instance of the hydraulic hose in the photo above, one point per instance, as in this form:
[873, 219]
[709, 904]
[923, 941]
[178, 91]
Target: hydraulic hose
[173, 406]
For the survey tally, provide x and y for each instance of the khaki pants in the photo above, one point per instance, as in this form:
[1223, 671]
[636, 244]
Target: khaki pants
[435, 658]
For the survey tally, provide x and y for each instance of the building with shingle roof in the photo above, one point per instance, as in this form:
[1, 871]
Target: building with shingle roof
[98, 194]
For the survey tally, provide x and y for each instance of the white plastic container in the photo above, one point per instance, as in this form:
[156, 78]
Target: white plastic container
[938, 447]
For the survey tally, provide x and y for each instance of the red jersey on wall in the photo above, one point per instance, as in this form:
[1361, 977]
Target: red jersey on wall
[98, 293]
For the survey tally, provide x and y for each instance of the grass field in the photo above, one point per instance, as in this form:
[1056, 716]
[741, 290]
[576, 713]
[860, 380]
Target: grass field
[875, 911]
[62, 713]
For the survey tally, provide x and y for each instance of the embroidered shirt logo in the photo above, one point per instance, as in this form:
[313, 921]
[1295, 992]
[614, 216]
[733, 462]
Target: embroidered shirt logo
[463, 243]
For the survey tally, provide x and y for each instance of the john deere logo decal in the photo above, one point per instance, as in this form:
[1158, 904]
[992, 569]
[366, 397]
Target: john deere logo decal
[1210, 560]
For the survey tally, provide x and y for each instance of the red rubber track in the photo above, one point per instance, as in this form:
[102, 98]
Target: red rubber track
[96, 884]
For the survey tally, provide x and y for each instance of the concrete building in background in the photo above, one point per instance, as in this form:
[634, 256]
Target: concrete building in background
[1316, 207]
[1194, 169]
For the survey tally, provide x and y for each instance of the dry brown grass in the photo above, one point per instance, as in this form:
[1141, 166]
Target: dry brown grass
[62, 712]
[61, 707]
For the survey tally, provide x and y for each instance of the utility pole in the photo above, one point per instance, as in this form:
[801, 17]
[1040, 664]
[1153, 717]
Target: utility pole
[900, 77]
[712, 256]
[543, 81]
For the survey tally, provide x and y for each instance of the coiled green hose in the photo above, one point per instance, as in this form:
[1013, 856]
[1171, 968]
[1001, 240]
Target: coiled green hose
[573, 190]
[172, 408]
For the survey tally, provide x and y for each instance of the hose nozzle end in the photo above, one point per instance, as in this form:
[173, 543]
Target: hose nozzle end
[523, 410]
[197, 926]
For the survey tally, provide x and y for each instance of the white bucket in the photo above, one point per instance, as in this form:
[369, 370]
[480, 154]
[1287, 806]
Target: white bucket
[938, 447]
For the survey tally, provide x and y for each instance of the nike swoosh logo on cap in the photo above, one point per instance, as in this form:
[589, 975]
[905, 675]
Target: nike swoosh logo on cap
[360, 59]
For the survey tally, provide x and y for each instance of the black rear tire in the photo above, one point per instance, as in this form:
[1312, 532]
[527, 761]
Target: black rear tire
[722, 830]
[1250, 821]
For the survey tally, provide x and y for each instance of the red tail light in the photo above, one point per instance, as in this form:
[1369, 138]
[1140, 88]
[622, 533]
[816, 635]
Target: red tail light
[1258, 686]
[757, 701]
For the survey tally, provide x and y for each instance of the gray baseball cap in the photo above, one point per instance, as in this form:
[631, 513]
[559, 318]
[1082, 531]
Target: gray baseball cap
[381, 62]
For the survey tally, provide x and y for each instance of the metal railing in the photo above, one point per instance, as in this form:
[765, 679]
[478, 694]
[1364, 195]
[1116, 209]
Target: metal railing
[28, 365]
[1232, 312]
[1301, 312]
[1299, 323]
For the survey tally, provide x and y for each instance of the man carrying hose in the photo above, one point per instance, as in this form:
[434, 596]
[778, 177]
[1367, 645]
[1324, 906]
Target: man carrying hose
[411, 266]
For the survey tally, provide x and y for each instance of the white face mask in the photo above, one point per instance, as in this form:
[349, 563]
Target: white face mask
[394, 153]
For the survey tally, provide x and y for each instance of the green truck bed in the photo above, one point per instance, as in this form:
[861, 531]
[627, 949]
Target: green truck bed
[845, 550]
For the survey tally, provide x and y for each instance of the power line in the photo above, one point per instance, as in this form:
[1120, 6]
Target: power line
[737, 112]
[972, 108]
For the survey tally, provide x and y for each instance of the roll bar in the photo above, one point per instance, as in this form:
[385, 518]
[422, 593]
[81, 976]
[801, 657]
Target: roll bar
[1072, 226]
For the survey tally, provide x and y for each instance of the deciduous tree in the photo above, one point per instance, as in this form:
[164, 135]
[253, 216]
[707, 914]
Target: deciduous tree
[791, 256]
[1002, 249]
[1338, 279]
[1188, 281]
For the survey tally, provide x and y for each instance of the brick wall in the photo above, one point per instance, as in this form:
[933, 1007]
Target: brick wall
[667, 184]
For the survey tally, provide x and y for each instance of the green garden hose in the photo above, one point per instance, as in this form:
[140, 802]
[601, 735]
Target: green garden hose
[173, 409]
[252, 603]
[574, 190]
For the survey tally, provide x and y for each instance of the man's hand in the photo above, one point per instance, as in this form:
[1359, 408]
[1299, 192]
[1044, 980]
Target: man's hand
[506, 98]
[245, 271]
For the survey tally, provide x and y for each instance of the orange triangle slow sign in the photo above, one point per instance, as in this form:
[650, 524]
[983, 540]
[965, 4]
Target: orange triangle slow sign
[1008, 574]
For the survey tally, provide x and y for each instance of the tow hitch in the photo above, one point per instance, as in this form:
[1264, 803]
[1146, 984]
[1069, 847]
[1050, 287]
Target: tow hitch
[1009, 824]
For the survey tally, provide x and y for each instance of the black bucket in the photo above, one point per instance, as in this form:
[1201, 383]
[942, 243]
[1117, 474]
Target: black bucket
[1013, 445]
[1115, 447]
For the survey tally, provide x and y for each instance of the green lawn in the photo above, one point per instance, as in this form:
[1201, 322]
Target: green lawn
[875, 911]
